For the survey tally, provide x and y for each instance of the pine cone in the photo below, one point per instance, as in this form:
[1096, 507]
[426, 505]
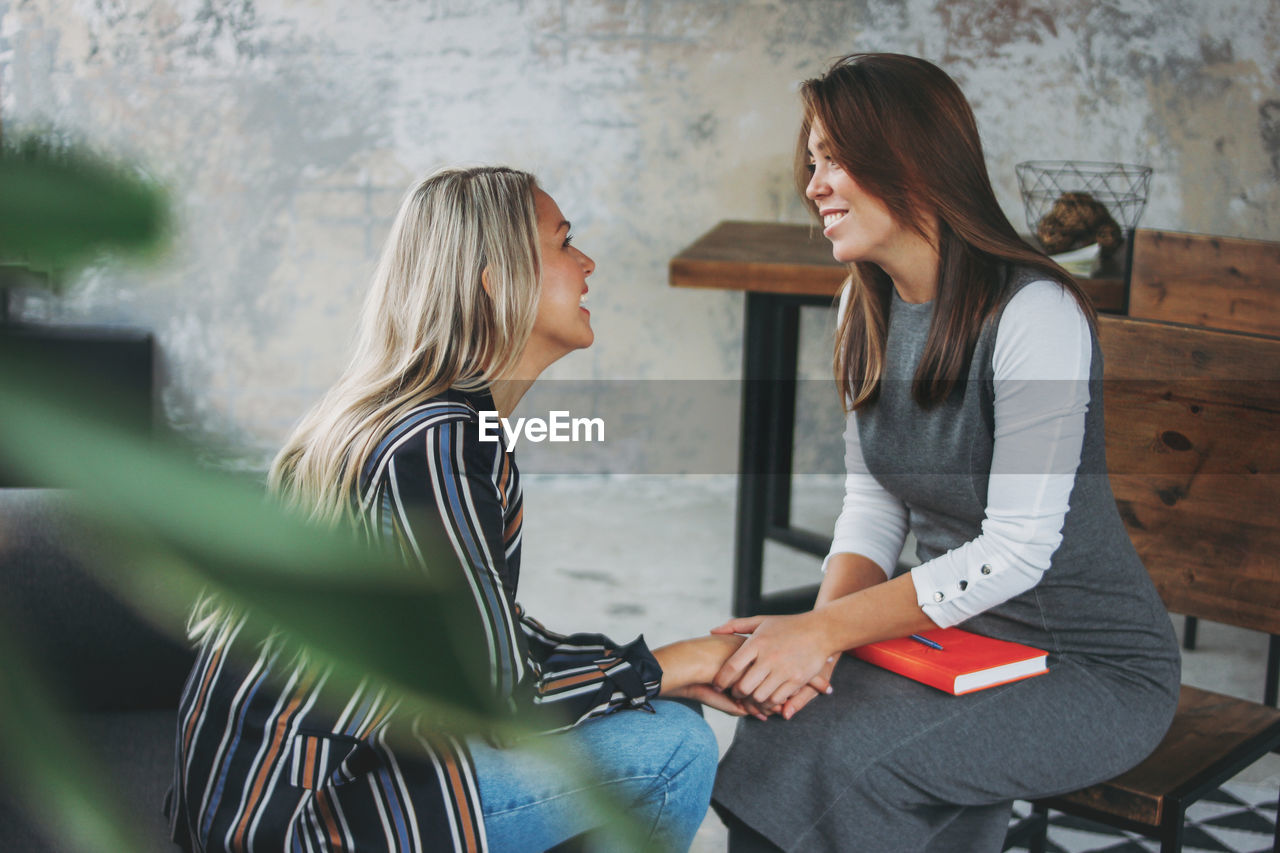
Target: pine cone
[1076, 220]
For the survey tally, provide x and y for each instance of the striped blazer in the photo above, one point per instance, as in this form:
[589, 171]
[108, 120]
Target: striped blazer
[267, 759]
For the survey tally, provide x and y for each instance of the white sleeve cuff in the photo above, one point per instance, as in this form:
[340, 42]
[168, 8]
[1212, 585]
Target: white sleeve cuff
[968, 580]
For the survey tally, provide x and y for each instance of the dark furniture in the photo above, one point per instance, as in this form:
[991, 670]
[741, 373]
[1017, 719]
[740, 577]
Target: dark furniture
[118, 676]
[112, 371]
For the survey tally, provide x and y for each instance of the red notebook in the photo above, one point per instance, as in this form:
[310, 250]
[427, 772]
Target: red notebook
[965, 663]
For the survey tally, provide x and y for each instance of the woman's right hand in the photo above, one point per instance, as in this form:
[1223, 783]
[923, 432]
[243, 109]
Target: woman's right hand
[806, 694]
[846, 574]
[802, 697]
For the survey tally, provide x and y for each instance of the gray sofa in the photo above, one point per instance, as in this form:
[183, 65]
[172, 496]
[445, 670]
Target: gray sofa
[118, 676]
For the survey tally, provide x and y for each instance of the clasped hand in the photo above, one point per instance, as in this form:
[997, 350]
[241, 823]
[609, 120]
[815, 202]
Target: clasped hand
[780, 667]
[689, 665]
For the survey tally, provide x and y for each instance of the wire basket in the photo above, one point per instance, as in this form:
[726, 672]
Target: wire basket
[1120, 187]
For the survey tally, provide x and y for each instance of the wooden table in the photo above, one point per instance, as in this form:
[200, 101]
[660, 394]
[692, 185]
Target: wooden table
[795, 260]
[781, 269]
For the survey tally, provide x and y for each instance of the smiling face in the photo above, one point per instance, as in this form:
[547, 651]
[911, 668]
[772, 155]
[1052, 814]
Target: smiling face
[562, 324]
[859, 225]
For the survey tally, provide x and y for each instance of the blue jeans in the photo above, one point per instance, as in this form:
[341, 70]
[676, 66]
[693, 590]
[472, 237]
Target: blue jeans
[659, 767]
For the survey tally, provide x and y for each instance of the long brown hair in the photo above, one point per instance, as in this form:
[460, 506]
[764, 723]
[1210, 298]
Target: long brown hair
[903, 130]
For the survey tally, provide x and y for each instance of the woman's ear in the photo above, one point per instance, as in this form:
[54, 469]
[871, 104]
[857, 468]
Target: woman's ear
[484, 282]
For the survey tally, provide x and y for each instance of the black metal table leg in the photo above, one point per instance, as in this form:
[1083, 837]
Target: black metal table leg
[1275, 843]
[782, 416]
[770, 354]
[758, 342]
[1272, 686]
[1171, 827]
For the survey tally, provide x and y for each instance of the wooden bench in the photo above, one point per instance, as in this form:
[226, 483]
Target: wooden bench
[1193, 422]
[1218, 283]
[1215, 282]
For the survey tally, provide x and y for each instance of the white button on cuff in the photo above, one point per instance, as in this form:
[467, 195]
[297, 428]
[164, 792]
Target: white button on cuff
[938, 596]
[986, 569]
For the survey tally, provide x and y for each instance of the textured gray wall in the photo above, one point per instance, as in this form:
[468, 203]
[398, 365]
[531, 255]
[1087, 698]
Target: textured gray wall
[288, 129]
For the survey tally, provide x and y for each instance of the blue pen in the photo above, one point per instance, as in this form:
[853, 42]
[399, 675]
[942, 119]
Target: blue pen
[930, 643]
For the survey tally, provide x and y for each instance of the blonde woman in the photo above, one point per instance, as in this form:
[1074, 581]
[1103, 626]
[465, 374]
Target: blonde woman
[479, 289]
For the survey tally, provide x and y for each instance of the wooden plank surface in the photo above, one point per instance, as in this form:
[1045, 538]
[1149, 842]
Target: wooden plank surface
[1193, 448]
[1207, 727]
[766, 257]
[1216, 282]
[772, 257]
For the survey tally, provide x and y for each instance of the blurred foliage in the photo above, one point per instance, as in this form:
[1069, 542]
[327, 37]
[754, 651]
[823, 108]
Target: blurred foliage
[185, 529]
[178, 531]
[173, 532]
[62, 205]
[38, 745]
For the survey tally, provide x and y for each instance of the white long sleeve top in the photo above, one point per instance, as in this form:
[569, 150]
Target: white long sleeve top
[1039, 430]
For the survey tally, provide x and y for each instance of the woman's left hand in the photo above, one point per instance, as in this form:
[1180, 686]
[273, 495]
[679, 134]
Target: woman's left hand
[712, 698]
[689, 665]
[783, 654]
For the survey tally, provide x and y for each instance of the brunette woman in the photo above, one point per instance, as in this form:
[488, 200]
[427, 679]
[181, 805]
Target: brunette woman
[970, 369]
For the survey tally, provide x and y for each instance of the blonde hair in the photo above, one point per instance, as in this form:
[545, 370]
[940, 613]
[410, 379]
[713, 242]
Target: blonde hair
[452, 304]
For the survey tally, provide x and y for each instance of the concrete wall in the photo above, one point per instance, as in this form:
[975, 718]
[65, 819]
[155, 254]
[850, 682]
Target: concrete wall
[288, 129]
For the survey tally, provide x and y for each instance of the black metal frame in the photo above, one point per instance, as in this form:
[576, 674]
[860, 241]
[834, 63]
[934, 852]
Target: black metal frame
[1273, 671]
[1170, 831]
[770, 347]
[1030, 832]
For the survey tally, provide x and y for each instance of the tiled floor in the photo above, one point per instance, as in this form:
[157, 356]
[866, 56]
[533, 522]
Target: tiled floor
[654, 555]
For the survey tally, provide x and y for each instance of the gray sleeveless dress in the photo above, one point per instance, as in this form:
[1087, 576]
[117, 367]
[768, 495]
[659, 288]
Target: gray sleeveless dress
[887, 764]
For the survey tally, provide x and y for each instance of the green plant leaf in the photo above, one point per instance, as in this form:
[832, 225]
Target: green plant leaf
[342, 600]
[62, 205]
[173, 531]
[177, 531]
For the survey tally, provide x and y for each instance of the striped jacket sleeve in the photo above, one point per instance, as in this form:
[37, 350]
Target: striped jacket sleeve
[444, 486]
